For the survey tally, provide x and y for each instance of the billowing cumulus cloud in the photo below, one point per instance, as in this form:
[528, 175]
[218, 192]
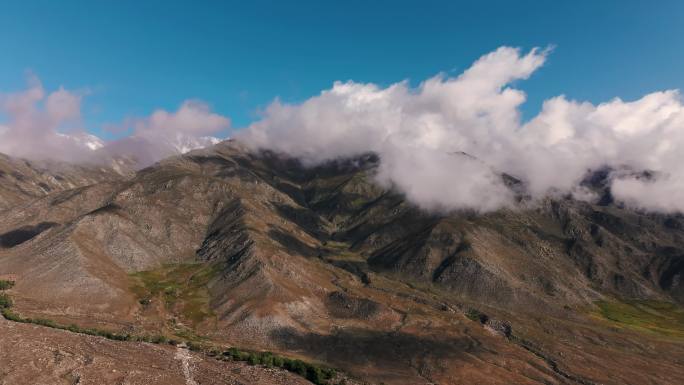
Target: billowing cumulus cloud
[42, 125]
[192, 118]
[445, 143]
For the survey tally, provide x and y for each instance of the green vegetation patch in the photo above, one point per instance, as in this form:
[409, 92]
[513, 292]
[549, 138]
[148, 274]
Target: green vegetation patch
[188, 335]
[663, 318]
[340, 251]
[358, 202]
[476, 315]
[5, 285]
[5, 301]
[182, 288]
[317, 374]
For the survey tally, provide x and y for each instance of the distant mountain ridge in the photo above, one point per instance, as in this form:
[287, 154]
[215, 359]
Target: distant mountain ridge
[23, 180]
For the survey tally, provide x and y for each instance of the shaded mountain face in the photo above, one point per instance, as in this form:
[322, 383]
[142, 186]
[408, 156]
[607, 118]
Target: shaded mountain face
[257, 251]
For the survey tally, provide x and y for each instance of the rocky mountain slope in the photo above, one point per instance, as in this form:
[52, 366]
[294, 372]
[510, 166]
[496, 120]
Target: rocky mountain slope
[239, 249]
[22, 180]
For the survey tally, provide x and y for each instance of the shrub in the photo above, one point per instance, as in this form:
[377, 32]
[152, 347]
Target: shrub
[44, 322]
[116, 337]
[315, 375]
[266, 359]
[297, 366]
[476, 315]
[5, 301]
[236, 355]
[278, 361]
[195, 347]
[73, 328]
[158, 339]
[231, 352]
[144, 338]
[329, 373]
[112, 336]
[253, 359]
[10, 316]
[4, 284]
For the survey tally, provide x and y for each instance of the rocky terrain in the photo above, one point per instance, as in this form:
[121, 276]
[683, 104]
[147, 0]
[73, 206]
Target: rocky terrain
[23, 180]
[43, 356]
[225, 247]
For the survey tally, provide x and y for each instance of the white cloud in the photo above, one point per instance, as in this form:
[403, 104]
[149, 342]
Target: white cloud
[63, 106]
[36, 121]
[43, 125]
[165, 133]
[646, 134]
[421, 135]
[419, 132]
[193, 118]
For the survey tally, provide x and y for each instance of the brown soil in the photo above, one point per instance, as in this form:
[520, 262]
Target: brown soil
[35, 355]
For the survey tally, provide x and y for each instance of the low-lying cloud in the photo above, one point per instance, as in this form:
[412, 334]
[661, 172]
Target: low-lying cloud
[48, 125]
[165, 133]
[445, 144]
[37, 123]
[421, 135]
[193, 117]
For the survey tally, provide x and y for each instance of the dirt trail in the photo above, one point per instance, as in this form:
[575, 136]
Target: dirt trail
[184, 356]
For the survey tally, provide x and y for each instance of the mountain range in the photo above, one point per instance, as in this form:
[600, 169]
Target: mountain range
[227, 247]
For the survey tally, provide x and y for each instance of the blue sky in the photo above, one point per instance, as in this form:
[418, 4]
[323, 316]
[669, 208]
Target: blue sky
[135, 56]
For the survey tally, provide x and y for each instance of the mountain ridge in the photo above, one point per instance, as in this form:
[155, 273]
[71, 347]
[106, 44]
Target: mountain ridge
[324, 263]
